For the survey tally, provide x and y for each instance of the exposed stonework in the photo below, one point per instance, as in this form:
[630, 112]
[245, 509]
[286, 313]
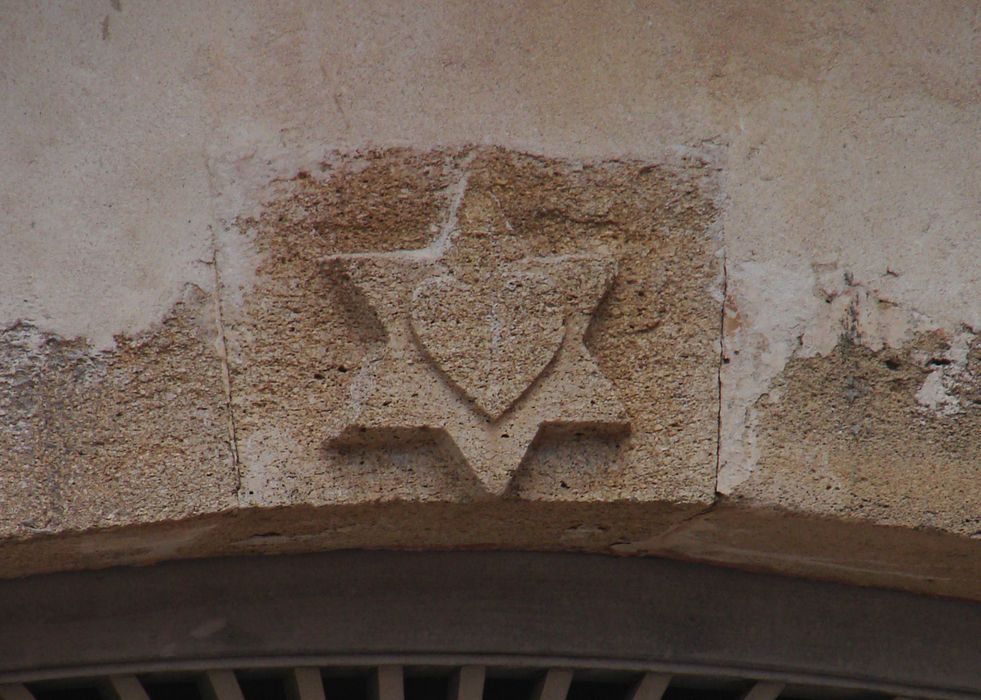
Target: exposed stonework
[95, 439]
[822, 150]
[488, 354]
[849, 435]
[329, 410]
[874, 416]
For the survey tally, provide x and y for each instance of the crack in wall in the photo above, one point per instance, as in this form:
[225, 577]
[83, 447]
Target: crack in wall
[226, 373]
[722, 362]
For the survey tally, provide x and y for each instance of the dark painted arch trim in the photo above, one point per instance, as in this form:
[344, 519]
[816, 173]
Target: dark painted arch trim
[642, 613]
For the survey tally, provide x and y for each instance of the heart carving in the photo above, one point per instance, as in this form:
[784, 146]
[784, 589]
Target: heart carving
[490, 339]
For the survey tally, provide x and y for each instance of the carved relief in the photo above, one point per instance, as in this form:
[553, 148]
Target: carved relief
[437, 326]
[484, 346]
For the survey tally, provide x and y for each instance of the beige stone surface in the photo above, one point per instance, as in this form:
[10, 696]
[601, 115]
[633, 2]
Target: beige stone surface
[832, 145]
[595, 379]
[93, 439]
[852, 435]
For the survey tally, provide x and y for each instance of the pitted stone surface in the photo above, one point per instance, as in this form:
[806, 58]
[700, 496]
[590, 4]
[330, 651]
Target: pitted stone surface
[93, 439]
[855, 435]
[551, 336]
[491, 339]
[492, 343]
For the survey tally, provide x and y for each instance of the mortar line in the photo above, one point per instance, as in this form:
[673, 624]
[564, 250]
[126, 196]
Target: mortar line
[721, 364]
[225, 369]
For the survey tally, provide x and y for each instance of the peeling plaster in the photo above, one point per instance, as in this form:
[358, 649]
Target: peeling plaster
[779, 329]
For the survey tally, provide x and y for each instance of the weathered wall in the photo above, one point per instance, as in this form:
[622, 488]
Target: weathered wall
[787, 192]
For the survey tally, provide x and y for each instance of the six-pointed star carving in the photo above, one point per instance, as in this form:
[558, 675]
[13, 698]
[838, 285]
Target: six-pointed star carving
[487, 352]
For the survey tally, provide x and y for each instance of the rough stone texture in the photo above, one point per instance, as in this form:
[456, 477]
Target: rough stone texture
[841, 141]
[94, 439]
[331, 341]
[874, 417]
[852, 435]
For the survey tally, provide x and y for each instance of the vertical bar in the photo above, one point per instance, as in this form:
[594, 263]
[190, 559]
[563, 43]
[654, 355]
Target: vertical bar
[468, 683]
[306, 684]
[764, 691]
[222, 685]
[127, 688]
[15, 691]
[388, 684]
[554, 686]
[650, 687]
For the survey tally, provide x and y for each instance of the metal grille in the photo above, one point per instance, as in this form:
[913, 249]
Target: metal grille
[394, 682]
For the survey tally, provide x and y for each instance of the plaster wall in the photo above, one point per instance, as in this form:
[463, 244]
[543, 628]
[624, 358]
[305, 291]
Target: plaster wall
[832, 148]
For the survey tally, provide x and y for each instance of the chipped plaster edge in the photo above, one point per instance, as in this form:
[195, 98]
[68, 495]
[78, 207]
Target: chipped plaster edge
[757, 350]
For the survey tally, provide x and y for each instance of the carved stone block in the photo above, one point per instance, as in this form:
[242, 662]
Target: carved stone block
[479, 323]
